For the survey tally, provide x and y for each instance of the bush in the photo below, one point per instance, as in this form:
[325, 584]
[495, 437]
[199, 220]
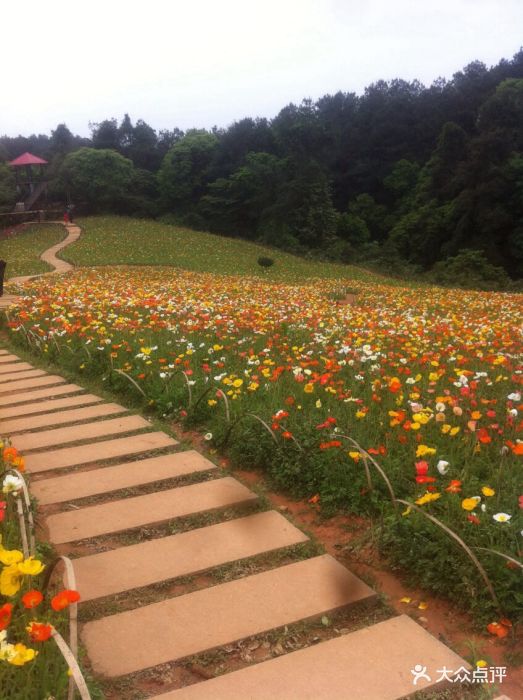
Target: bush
[469, 269]
[265, 262]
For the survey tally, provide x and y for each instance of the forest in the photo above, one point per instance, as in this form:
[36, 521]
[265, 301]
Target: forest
[425, 181]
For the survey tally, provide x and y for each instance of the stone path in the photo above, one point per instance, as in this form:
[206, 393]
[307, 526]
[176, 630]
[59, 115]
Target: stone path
[130, 478]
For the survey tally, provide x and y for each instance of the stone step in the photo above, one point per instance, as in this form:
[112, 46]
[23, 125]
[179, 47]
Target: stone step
[97, 452]
[178, 555]
[22, 424]
[8, 358]
[197, 622]
[6, 379]
[46, 393]
[28, 384]
[75, 433]
[4, 352]
[7, 300]
[151, 508]
[8, 367]
[373, 663]
[28, 409]
[121, 476]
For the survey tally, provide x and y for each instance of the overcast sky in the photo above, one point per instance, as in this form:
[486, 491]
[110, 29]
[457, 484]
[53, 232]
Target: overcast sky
[209, 62]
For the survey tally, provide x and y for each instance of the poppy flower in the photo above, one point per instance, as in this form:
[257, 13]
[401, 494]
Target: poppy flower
[31, 599]
[497, 629]
[5, 615]
[469, 503]
[38, 631]
[63, 599]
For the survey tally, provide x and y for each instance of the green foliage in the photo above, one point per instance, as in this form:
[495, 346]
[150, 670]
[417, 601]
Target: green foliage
[7, 188]
[265, 261]
[183, 175]
[470, 269]
[100, 179]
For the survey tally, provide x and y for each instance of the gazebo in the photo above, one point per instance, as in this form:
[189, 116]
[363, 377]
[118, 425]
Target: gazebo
[30, 179]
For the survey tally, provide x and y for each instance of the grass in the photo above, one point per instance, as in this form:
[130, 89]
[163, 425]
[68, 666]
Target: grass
[113, 240]
[22, 250]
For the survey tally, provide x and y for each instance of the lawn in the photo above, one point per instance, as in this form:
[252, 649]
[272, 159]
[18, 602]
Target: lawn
[23, 247]
[426, 384]
[113, 240]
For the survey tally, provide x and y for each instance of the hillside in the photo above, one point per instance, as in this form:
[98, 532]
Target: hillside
[114, 240]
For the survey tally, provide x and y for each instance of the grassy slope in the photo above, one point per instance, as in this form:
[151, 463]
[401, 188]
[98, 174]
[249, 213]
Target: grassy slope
[112, 240]
[22, 251]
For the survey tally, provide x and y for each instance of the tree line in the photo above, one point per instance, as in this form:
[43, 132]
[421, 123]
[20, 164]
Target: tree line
[420, 179]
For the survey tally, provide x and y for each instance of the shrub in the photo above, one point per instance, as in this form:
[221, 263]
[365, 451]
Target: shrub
[264, 261]
[470, 269]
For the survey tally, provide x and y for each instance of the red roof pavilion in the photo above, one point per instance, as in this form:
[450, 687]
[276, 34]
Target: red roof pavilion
[28, 159]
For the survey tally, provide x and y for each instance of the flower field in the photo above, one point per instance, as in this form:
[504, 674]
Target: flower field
[403, 404]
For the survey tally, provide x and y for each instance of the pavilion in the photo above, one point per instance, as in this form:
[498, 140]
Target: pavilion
[31, 182]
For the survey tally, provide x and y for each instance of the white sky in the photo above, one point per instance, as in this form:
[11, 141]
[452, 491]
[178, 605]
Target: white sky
[210, 62]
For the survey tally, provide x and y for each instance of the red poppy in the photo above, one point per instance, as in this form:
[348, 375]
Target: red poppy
[497, 629]
[483, 436]
[39, 632]
[64, 598]
[473, 519]
[5, 615]
[422, 468]
[454, 486]
[425, 479]
[31, 599]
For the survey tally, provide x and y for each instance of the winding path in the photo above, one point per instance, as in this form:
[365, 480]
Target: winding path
[49, 257]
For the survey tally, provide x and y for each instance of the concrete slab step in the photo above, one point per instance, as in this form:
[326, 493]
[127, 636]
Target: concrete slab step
[5, 379]
[8, 358]
[46, 393]
[29, 384]
[44, 420]
[37, 407]
[178, 555]
[200, 621]
[97, 481]
[7, 300]
[373, 663]
[97, 452]
[8, 367]
[75, 433]
[127, 513]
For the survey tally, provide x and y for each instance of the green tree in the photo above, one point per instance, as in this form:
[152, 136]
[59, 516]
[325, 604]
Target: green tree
[105, 134]
[98, 178]
[236, 205]
[184, 173]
